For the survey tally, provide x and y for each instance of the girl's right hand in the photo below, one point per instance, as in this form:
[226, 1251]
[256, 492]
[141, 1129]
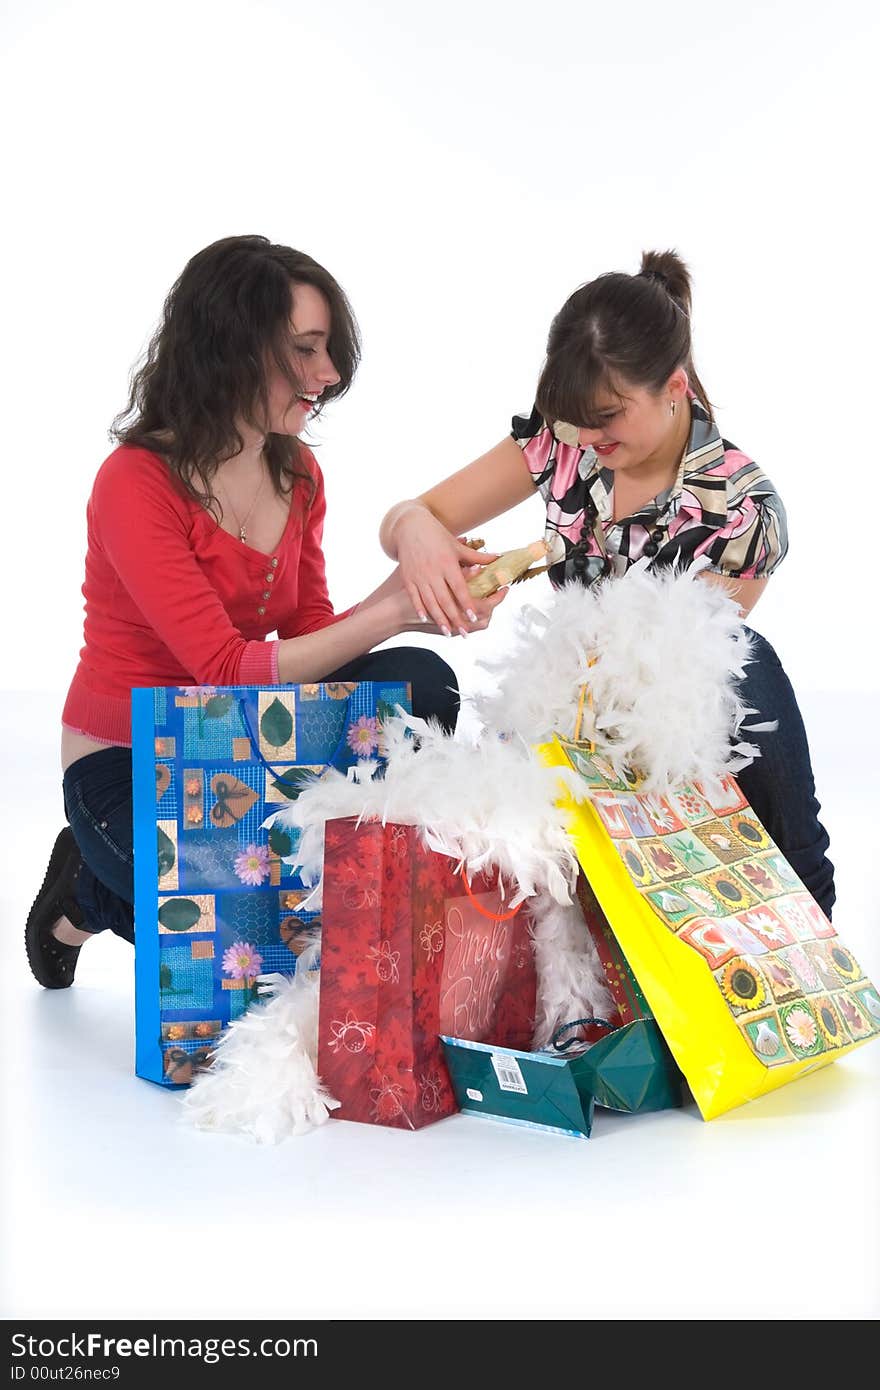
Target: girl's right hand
[435, 566]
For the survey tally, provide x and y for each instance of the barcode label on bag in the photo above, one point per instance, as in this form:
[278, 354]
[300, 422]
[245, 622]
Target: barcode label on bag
[510, 1078]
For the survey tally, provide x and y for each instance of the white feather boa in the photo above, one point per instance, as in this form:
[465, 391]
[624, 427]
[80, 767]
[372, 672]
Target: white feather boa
[487, 805]
[262, 1081]
[660, 654]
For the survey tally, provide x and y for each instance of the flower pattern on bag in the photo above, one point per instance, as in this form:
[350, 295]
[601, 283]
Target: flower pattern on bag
[387, 901]
[213, 767]
[769, 947]
[386, 961]
[351, 1033]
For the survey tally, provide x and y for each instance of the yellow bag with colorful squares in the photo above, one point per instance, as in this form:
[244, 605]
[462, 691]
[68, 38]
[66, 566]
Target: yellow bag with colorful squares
[746, 977]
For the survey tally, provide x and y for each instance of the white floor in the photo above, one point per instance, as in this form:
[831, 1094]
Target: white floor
[113, 1208]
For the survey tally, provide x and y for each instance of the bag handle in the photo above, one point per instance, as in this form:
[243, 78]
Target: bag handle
[579, 1023]
[493, 916]
[242, 710]
[586, 693]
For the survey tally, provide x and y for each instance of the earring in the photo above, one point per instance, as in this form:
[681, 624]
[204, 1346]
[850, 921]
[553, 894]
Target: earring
[672, 407]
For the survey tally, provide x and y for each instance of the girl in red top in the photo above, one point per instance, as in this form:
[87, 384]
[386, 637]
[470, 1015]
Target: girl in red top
[204, 536]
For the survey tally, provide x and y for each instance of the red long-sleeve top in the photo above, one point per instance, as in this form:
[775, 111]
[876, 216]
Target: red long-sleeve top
[172, 599]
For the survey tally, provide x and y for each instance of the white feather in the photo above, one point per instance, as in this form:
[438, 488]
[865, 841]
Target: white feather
[263, 1081]
[660, 653]
[571, 981]
[665, 652]
[488, 805]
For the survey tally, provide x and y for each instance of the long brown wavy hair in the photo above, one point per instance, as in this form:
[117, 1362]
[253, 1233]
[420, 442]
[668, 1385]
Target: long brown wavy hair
[615, 330]
[226, 318]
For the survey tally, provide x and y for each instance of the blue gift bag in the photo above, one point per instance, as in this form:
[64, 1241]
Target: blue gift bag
[215, 904]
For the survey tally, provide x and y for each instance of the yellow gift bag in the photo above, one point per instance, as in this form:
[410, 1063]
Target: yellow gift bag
[746, 977]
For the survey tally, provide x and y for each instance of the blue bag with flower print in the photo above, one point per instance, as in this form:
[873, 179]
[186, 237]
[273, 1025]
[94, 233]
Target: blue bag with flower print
[215, 903]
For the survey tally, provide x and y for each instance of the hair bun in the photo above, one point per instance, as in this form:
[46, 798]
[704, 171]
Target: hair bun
[669, 270]
[655, 275]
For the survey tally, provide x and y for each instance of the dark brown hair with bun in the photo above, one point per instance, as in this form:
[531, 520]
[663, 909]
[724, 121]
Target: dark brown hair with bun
[619, 330]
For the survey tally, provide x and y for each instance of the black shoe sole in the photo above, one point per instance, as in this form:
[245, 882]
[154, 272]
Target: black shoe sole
[52, 963]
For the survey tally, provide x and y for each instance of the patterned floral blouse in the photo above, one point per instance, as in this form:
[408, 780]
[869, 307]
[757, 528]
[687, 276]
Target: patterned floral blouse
[720, 505]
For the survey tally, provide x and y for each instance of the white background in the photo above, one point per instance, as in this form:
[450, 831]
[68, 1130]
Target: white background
[460, 170]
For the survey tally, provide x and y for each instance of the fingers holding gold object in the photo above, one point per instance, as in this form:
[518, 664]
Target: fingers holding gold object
[511, 566]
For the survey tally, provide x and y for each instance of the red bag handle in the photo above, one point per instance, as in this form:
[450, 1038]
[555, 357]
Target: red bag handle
[493, 916]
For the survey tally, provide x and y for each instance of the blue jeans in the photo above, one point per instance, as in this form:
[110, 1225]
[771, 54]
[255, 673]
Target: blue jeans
[98, 797]
[779, 785]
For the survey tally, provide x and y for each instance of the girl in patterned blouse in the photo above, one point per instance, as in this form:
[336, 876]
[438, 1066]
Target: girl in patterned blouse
[622, 445]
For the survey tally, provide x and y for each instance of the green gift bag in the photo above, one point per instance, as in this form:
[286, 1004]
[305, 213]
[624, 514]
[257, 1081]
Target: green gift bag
[627, 1070]
[627, 1067]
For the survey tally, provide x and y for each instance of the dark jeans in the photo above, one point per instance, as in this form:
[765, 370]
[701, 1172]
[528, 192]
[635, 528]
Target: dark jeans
[779, 785]
[97, 788]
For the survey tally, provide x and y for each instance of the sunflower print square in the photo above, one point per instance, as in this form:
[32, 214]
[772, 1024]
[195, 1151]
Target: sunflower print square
[708, 938]
[724, 798]
[801, 1029]
[693, 852]
[663, 862]
[743, 985]
[729, 889]
[764, 1034]
[718, 840]
[672, 906]
[767, 925]
[750, 830]
[660, 814]
[639, 870]
[782, 981]
[689, 806]
[843, 962]
[760, 877]
[832, 1030]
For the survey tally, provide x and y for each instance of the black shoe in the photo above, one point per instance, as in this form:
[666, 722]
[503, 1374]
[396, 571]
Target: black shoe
[52, 962]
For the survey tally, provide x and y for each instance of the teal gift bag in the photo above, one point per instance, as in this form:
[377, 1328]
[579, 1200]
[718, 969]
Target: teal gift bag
[627, 1065]
[215, 903]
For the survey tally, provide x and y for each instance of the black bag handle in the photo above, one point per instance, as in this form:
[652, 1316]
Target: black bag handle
[578, 1023]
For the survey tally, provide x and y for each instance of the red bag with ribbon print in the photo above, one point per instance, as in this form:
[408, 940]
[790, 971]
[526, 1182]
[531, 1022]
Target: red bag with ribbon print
[409, 950]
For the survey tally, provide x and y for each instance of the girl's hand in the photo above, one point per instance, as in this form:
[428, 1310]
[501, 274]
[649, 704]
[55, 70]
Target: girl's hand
[434, 567]
[406, 618]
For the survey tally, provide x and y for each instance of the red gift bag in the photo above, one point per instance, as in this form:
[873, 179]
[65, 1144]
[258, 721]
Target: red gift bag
[410, 950]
